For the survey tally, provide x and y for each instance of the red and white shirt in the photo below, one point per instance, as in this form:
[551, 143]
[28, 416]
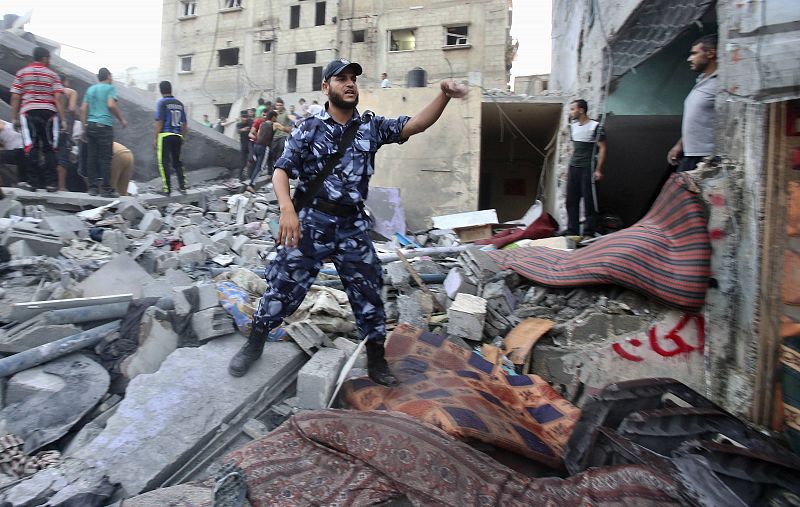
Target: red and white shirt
[37, 86]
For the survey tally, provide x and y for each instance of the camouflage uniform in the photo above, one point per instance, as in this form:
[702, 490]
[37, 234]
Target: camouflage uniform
[343, 239]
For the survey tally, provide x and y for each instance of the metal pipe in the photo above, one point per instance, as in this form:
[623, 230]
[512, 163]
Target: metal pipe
[44, 353]
[86, 314]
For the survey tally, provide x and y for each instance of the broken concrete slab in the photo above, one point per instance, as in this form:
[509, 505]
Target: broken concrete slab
[34, 333]
[211, 323]
[349, 347]
[63, 223]
[120, 275]
[168, 416]
[70, 483]
[411, 311]
[130, 209]
[115, 240]
[31, 382]
[157, 340]
[317, 378]
[457, 282]
[150, 222]
[41, 242]
[20, 248]
[398, 274]
[466, 317]
[467, 219]
[192, 254]
[46, 416]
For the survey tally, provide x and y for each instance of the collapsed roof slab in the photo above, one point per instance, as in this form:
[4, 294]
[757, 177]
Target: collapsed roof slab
[205, 146]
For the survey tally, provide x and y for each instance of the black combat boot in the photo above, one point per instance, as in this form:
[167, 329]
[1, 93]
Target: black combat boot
[248, 354]
[376, 365]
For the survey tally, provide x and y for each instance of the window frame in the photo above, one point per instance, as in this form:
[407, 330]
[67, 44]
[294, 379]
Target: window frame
[180, 63]
[184, 12]
[291, 80]
[319, 18]
[316, 79]
[232, 5]
[308, 57]
[219, 57]
[264, 43]
[294, 23]
[413, 33]
[457, 45]
[353, 36]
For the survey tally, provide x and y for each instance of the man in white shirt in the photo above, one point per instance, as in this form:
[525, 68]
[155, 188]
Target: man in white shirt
[385, 81]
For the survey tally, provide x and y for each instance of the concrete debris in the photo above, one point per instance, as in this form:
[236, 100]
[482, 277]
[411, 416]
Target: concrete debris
[467, 316]
[211, 323]
[156, 342]
[317, 378]
[308, 336]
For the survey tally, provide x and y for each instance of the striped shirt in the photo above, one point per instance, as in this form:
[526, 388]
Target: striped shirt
[37, 86]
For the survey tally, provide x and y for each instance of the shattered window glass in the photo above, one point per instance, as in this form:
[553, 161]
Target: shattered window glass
[457, 35]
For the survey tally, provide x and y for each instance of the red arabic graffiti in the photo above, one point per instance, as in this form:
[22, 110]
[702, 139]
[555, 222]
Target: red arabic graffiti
[671, 344]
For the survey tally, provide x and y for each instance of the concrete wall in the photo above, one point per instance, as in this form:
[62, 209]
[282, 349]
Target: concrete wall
[437, 170]
[265, 74]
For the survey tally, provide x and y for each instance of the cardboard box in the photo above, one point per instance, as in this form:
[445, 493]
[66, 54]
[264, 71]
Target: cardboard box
[474, 232]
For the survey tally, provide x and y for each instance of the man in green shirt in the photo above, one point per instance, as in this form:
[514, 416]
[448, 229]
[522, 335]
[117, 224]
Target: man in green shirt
[99, 104]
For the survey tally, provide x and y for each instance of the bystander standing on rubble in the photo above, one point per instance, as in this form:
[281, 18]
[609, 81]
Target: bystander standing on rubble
[65, 142]
[332, 216]
[37, 109]
[385, 83]
[262, 107]
[303, 107]
[121, 168]
[697, 127]
[220, 125]
[583, 170]
[279, 139]
[206, 122]
[11, 150]
[99, 103]
[170, 132]
[243, 127]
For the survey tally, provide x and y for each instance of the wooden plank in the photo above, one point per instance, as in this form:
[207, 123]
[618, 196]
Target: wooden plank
[519, 341]
[436, 304]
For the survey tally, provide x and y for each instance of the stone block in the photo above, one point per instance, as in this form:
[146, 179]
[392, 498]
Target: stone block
[157, 340]
[191, 254]
[255, 429]
[499, 297]
[121, 275]
[193, 235]
[194, 298]
[150, 222]
[411, 311]
[238, 242]
[791, 278]
[349, 347]
[211, 323]
[10, 207]
[63, 223]
[308, 336]
[21, 248]
[317, 378]
[41, 242]
[115, 240]
[223, 238]
[457, 282]
[130, 209]
[466, 317]
[478, 264]
[397, 274]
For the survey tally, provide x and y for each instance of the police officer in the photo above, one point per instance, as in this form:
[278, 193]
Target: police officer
[333, 224]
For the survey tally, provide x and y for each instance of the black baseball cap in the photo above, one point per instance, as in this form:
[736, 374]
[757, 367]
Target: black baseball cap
[337, 66]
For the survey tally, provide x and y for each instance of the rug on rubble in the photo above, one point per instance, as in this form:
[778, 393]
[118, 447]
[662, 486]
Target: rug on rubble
[342, 457]
[666, 255]
[455, 389]
[543, 227]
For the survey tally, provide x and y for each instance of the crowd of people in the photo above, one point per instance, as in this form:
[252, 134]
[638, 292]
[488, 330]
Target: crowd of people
[57, 145]
[262, 134]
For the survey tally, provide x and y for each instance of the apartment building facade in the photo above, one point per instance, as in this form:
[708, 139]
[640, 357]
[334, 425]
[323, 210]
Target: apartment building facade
[223, 54]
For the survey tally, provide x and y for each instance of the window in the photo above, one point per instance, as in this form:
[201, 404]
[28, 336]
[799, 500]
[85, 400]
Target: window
[266, 45]
[316, 79]
[457, 36]
[233, 4]
[320, 18]
[304, 57]
[402, 40]
[291, 80]
[228, 57]
[294, 17]
[223, 110]
[359, 35]
[188, 9]
[185, 63]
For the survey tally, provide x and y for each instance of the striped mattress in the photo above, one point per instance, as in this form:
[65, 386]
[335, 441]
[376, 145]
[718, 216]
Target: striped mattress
[666, 255]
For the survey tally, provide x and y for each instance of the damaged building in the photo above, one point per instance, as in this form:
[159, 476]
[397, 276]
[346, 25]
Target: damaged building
[628, 60]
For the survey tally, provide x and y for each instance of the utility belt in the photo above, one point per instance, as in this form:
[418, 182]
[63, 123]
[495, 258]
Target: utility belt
[331, 208]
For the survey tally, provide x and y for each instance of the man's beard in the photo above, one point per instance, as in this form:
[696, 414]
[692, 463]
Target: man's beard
[337, 100]
[700, 67]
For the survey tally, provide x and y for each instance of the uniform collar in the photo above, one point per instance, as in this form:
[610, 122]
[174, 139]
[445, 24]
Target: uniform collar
[324, 116]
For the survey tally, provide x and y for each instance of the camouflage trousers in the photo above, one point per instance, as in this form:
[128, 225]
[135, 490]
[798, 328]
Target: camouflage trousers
[345, 241]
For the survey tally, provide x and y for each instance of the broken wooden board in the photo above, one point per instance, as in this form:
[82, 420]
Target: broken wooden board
[520, 341]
